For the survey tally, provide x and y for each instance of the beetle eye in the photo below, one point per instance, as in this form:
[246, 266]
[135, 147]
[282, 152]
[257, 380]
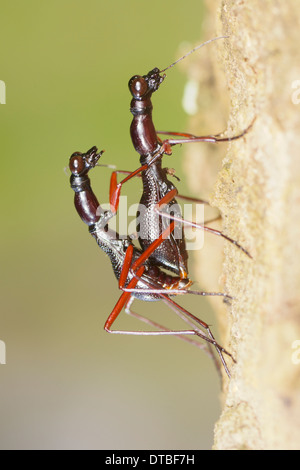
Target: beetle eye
[76, 164]
[138, 86]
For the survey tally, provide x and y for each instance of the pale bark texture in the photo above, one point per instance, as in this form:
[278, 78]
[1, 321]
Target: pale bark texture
[256, 187]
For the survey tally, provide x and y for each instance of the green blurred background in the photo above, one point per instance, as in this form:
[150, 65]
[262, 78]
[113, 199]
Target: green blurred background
[67, 383]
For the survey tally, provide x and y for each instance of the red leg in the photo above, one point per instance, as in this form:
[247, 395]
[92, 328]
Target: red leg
[125, 298]
[126, 266]
[137, 268]
[220, 350]
[115, 187]
[192, 199]
[149, 322]
[206, 347]
[169, 198]
[166, 148]
[207, 138]
[148, 252]
[121, 303]
[207, 229]
[154, 288]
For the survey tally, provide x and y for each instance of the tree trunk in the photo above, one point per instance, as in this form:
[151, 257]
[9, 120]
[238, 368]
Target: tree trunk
[258, 194]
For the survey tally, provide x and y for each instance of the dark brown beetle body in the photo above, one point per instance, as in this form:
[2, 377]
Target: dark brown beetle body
[139, 277]
[172, 253]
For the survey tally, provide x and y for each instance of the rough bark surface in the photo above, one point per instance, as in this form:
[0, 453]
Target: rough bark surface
[257, 190]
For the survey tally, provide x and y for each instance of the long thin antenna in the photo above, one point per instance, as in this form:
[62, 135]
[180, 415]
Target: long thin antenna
[193, 50]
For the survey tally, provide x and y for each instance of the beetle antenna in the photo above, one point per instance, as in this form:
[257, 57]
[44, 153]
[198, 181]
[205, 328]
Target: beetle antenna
[193, 50]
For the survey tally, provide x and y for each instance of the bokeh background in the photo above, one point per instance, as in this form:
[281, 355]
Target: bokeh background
[67, 384]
